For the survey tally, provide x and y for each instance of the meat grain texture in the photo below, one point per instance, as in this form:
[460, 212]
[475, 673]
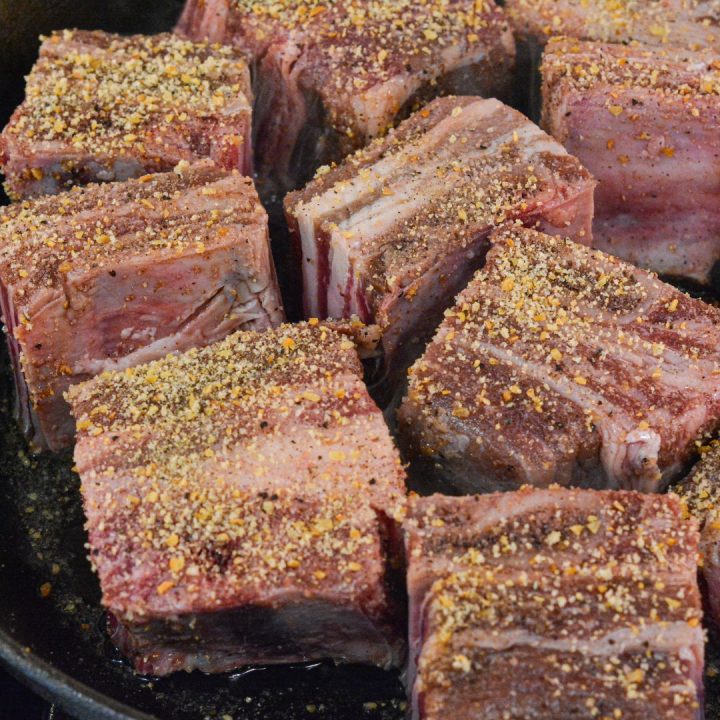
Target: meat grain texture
[397, 230]
[112, 275]
[101, 107]
[591, 597]
[330, 76]
[646, 123]
[560, 364]
[690, 24]
[241, 505]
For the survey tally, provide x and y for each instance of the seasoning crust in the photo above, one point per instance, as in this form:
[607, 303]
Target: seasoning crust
[102, 107]
[608, 375]
[257, 460]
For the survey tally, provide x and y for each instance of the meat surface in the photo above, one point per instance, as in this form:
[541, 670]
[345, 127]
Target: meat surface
[560, 364]
[396, 231]
[112, 275]
[240, 504]
[688, 24]
[701, 491]
[331, 76]
[645, 122]
[553, 604]
[102, 107]
[691, 24]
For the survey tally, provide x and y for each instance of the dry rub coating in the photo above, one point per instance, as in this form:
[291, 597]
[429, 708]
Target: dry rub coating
[592, 596]
[560, 364]
[102, 107]
[251, 478]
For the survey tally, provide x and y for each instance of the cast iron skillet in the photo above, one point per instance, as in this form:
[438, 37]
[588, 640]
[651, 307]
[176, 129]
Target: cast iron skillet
[51, 622]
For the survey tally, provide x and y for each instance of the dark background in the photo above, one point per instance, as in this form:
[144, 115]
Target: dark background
[18, 703]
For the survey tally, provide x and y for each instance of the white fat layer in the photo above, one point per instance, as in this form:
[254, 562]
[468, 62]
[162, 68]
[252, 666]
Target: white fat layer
[669, 637]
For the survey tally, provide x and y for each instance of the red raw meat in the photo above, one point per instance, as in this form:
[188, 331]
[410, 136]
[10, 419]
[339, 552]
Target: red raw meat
[687, 24]
[112, 275]
[701, 491]
[590, 596]
[691, 24]
[646, 123]
[560, 364]
[330, 76]
[397, 230]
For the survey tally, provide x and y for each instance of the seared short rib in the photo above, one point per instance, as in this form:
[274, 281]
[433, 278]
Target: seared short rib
[330, 76]
[701, 491]
[102, 107]
[687, 24]
[591, 596]
[691, 24]
[397, 230]
[646, 123]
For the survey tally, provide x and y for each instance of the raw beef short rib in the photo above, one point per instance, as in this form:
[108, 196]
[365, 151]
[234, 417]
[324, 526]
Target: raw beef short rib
[687, 24]
[590, 596]
[330, 76]
[560, 364]
[241, 503]
[396, 231]
[112, 275]
[646, 123]
[102, 107]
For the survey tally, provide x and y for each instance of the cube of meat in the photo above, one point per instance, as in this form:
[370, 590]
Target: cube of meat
[701, 491]
[331, 76]
[591, 596]
[560, 364]
[691, 24]
[240, 505]
[393, 233]
[102, 107]
[108, 276]
[646, 123]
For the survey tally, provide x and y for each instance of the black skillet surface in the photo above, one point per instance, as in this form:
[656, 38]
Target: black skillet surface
[51, 622]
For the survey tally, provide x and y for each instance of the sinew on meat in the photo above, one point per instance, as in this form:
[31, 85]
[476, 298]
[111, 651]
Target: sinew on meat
[691, 24]
[646, 122]
[560, 364]
[102, 107]
[240, 504]
[553, 603]
[701, 492]
[330, 76]
[394, 232]
[111, 275]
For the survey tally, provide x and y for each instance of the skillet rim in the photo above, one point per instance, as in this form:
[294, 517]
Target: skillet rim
[59, 687]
